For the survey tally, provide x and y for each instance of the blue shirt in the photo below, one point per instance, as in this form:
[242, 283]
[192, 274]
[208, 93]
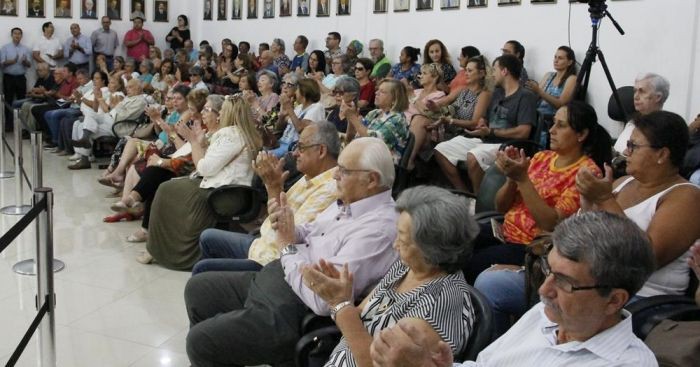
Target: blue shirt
[300, 61]
[9, 52]
[78, 57]
[172, 119]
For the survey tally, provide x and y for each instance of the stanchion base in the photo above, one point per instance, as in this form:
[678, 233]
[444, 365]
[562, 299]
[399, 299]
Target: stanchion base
[7, 174]
[28, 267]
[16, 209]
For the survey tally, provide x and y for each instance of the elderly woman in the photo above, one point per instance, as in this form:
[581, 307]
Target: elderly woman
[540, 191]
[307, 110]
[407, 69]
[347, 90]
[268, 83]
[435, 231]
[281, 60]
[352, 53]
[387, 122]
[222, 157]
[327, 83]
[436, 52]
[179, 34]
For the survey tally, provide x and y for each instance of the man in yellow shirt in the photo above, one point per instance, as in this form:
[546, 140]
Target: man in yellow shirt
[316, 155]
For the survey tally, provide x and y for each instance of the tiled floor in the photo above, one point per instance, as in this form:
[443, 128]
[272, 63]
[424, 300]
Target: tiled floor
[111, 310]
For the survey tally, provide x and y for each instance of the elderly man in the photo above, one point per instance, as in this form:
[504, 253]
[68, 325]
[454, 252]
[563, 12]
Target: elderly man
[249, 318]
[51, 115]
[15, 60]
[599, 260]
[48, 48]
[138, 40]
[300, 62]
[267, 60]
[382, 65]
[316, 157]
[88, 10]
[650, 93]
[100, 123]
[33, 113]
[105, 41]
[78, 48]
[45, 87]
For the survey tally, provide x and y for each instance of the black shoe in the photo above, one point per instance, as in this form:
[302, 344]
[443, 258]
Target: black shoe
[82, 143]
[49, 146]
[82, 163]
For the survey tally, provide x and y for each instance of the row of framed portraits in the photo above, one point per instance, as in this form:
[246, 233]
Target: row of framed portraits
[342, 7]
[88, 9]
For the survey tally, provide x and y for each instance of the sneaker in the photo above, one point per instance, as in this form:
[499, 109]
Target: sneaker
[75, 157]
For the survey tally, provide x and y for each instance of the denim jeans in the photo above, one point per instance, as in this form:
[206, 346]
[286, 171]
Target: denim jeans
[54, 117]
[505, 291]
[225, 251]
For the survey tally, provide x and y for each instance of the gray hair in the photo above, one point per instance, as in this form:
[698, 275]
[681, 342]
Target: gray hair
[216, 102]
[348, 84]
[617, 251]
[272, 76]
[279, 42]
[149, 64]
[441, 225]
[291, 77]
[376, 157]
[381, 43]
[660, 84]
[327, 134]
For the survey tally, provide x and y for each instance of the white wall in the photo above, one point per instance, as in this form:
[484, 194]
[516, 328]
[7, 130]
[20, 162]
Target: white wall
[661, 36]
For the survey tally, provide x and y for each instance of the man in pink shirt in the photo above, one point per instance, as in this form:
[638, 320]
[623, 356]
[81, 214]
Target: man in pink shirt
[137, 41]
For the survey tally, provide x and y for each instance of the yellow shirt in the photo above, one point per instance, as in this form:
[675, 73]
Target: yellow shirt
[307, 198]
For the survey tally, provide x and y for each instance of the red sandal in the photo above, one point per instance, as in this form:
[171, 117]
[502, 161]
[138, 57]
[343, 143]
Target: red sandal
[125, 216]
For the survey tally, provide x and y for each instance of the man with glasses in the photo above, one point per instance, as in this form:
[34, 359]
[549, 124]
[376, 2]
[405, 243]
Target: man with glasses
[105, 41]
[382, 65]
[252, 318]
[333, 49]
[598, 262]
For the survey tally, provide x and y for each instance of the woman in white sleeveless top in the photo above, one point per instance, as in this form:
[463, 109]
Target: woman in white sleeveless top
[655, 196]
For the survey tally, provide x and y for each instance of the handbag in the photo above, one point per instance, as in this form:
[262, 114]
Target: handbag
[675, 343]
[535, 253]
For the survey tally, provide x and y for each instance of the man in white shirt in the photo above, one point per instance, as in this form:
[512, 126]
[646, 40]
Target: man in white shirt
[598, 260]
[48, 49]
[650, 93]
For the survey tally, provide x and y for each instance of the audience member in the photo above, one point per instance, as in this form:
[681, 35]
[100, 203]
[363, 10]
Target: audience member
[382, 65]
[516, 49]
[16, 60]
[300, 62]
[346, 90]
[352, 53]
[366, 98]
[307, 110]
[407, 69]
[180, 33]
[280, 60]
[436, 52]
[105, 41]
[48, 48]
[78, 48]
[418, 111]
[332, 48]
[137, 40]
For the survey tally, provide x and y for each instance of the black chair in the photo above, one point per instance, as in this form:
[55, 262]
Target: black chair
[104, 145]
[235, 204]
[649, 312]
[402, 180]
[626, 94]
[484, 329]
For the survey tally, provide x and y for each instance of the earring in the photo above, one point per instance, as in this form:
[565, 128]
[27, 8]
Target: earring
[659, 161]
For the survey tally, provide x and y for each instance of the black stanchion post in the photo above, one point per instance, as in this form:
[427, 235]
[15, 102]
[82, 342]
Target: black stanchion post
[37, 160]
[17, 209]
[3, 172]
[45, 266]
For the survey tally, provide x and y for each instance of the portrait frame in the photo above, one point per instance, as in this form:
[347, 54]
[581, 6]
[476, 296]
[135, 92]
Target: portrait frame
[83, 10]
[477, 3]
[63, 13]
[238, 15]
[402, 6]
[300, 12]
[508, 2]
[423, 5]
[10, 10]
[285, 12]
[344, 12]
[210, 15]
[39, 12]
[268, 13]
[380, 6]
[252, 11]
[134, 13]
[157, 17]
[222, 15]
[543, 1]
[321, 12]
[448, 6]
[113, 13]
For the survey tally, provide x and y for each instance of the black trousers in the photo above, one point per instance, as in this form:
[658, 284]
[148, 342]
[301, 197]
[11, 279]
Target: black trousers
[151, 178]
[14, 87]
[488, 251]
[38, 112]
[243, 318]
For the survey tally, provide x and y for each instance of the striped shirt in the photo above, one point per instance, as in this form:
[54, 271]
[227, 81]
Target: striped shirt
[532, 341]
[443, 302]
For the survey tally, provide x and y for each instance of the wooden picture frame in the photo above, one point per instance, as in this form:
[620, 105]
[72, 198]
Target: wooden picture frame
[285, 8]
[88, 9]
[237, 9]
[221, 10]
[161, 9]
[268, 9]
[343, 7]
[303, 8]
[323, 8]
[137, 9]
[8, 8]
[114, 9]
[252, 9]
[63, 9]
[508, 2]
[380, 6]
[401, 5]
[424, 5]
[449, 4]
[477, 3]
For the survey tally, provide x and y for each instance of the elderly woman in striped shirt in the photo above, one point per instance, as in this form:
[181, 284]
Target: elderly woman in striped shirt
[435, 232]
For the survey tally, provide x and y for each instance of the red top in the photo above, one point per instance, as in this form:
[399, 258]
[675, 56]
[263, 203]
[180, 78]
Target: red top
[67, 87]
[460, 81]
[367, 93]
[138, 51]
[556, 186]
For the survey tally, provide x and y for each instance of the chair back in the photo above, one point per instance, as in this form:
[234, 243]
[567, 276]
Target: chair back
[402, 180]
[626, 94]
[491, 183]
[482, 334]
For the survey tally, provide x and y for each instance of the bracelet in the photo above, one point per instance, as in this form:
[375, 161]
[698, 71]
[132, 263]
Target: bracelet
[335, 309]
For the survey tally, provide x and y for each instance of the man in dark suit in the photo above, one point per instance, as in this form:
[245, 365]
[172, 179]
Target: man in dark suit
[322, 7]
[37, 9]
[161, 11]
[236, 11]
[424, 4]
[114, 10]
[252, 9]
[303, 8]
[343, 7]
[269, 11]
[221, 10]
[89, 10]
[207, 9]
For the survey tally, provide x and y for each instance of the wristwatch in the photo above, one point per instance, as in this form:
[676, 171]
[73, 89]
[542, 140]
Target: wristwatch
[160, 162]
[289, 249]
[335, 309]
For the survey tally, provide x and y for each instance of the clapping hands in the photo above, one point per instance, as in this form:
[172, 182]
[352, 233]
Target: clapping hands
[513, 163]
[332, 285]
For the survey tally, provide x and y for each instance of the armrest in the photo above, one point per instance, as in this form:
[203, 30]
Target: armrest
[235, 202]
[311, 322]
[317, 344]
[124, 128]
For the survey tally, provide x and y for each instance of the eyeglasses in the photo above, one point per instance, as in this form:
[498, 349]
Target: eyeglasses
[289, 85]
[631, 146]
[359, 68]
[345, 172]
[301, 148]
[564, 284]
[209, 109]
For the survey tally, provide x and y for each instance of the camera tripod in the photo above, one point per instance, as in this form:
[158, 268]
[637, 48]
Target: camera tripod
[598, 10]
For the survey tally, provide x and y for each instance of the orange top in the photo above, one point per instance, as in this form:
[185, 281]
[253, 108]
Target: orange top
[556, 186]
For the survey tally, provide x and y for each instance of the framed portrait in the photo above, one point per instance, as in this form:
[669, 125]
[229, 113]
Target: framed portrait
[208, 10]
[449, 4]
[477, 3]
[63, 9]
[221, 10]
[343, 7]
[303, 9]
[508, 2]
[160, 9]
[424, 5]
[285, 8]
[114, 9]
[380, 6]
[543, 1]
[237, 9]
[401, 5]
[268, 9]
[137, 9]
[9, 8]
[252, 9]
[323, 8]
[88, 9]
[35, 9]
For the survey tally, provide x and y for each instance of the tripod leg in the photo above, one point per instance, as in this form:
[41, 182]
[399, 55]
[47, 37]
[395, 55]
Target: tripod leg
[612, 84]
[584, 76]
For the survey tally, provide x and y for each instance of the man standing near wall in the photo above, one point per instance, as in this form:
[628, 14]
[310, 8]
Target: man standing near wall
[48, 49]
[105, 41]
[15, 60]
[78, 48]
[138, 41]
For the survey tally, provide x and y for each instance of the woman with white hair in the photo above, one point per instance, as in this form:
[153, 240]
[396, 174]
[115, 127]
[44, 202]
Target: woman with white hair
[281, 60]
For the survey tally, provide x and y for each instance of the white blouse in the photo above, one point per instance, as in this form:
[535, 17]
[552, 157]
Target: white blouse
[227, 160]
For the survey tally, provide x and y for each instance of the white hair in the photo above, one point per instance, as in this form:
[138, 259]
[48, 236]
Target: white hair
[660, 84]
[376, 157]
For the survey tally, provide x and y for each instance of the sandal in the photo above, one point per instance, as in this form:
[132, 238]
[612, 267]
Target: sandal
[145, 258]
[109, 181]
[121, 216]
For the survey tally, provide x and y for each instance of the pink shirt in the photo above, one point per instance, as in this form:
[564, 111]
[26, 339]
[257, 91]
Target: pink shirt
[138, 51]
[412, 110]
